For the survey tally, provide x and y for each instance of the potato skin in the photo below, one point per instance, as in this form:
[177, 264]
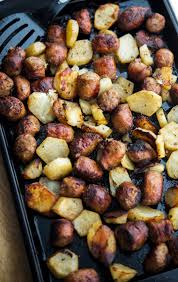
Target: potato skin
[59, 130]
[12, 108]
[62, 232]
[97, 198]
[29, 124]
[12, 63]
[22, 87]
[128, 195]
[83, 275]
[131, 236]
[105, 66]
[25, 147]
[6, 85]
[122, 119]
[34, 68]
[155, 23]
[84, 21]
[153, 188]
[164, 58]
[55, 53]
[110, 153]
[160, 231]
[108, 100]
[151, 84]
[84, 144]
[88, 85]
[173, 249]
[72, 187]
[133, 17]
[138, 71]
[42, 85]
[105, 43]
[174, 93]
[153, 42]
[56, 34]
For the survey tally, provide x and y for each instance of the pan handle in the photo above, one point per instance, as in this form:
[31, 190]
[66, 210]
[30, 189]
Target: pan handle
[172, 9]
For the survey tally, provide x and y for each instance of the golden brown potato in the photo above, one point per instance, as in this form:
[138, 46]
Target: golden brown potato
[160, 231]
[145, 214]
[29, 124]
[151, 84]
[131, 236]
[88, 85]
[164, 58]
[84, 144]
[152, 188]
[62, 232]
[174, 93]
[128, 195]
[145, 135]
[105, 66]
[152, 41]
[173, 249]
[109, 100]
[155, 23]
[157, 260]
[33, 170]
[72, 187]
[6, 84]
[122, 273]
[143, 122]
[25, 147]
[42, 85]
[12, 108]
[133, 17]
[22, 87]
[39, 198]
[116, 217]
[59, 130]
[105, 43]
[83, 275]
[88, 169]
[106, 15]
[171, 197]
[56, 34]
[138, 71]
[111, 153]
[55, 53]
[34, 68]
[122, 119]
[13, 61]
[84, 21]
[59, 111]
[97, 198]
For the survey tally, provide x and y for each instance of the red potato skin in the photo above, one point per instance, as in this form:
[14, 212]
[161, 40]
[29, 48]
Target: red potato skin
[6, 85]
[62, 232]
[13, 61]
[105, 43]
[122, 119]
[55, 53]
[72, 187]
[29, 124]
[56, 34]
[105, 66]
[22, 87]
[128, 195]
[155, 23]
[153, 41]
[42, 85]
[12, 108]
[59, 130]
[84, 21]
[160, 231]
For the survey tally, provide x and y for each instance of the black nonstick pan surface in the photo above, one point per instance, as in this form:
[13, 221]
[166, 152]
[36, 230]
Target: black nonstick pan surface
[36, 228]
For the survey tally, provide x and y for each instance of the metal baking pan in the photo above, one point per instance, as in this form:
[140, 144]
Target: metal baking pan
[36, 228]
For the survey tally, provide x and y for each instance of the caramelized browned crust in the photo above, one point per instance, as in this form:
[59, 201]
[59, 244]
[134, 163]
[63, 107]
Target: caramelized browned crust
[84, 21]
[29, 124]
[105, 43]
[12, 108]
[109, 100]
[154, 42]
[138, 71]
[25, 147]
[55, 53]
[128, 195]
[13, 61]
[56, 34]
[88, 85]
[6, 84]
[105, 66]
[62, 232]
[72, 187]
[139, 133]
[144, 122]
[151, 84]
[42, 85]
[164, 58]
[155, 23]
[59, 130]
[160, 231]
[122, 119]
[34, 68]
[174, 93]
[22, 87]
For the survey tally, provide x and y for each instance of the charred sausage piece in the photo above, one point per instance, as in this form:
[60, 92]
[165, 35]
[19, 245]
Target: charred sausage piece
[55, 53]
[6, 85]
[105, 66]
[97, 198]
[105, 43]
[173, 249]
[157, 260]
[131, 236]
[138, 71]
[84, 21]
[155, 23]
[25, 147]
[88, 85]
[62, 232]
[12, 108]
[13, 61]
[59, 111]
[110, 153]
[164, 58]
[133, 17]
[122, 119]
[151, 84]
[154, 42]
[88, 169]
[42, 85]
[56, 34]
[29, 124]
[84, 144]
[160, 231]
[152, 188]
[34, 67]
[128, 195]
[141, 152]
[109, 100]
[174, 93]
[22, 87]
[83, 275]
[72, 187]
[59, 130]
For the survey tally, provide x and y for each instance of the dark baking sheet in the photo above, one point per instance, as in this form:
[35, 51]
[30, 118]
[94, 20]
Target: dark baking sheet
[37, 228]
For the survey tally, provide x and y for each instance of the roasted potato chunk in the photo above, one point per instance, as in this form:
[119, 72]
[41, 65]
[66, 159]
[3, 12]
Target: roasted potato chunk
[173, 217]
[103, 130]
[127, 50]
[152, 41]
[101, 243]
[88, 85]
[138, 71]
[171, 197]
[72, 31]
[151, 84]
[68, 208]
[34, 68]
[25, 147]
[83, 275]
[117, 176]
[160, 231]
[105, 43]
[42, 85]
[171, 165]
[155, 23]
[56, 34]
[39, 198]
[131, 236]
[62, 232]
[109, 100]
[116, 217]
[72, 187]
[35, 49]
[13, 61]
[127, 163]
[122, 119]
[173, 249]
[143, 122]
[98, 115]
[174, 93]
[58, 168]
[145, 214]
[55, 53]
[59, 130]
[81, 53]
[173, 115]
[28, 124]
[51, 185]
[105, 66]
[164, 58]
[105, 16]
[84, 21]
[122, 273]
[6, 85]
[145, 55]
[145, 135]
[22, 86]
[97, 198]
[32, 170]
[12, 108]
[128, 195]
[164, 77]
[105, 84]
